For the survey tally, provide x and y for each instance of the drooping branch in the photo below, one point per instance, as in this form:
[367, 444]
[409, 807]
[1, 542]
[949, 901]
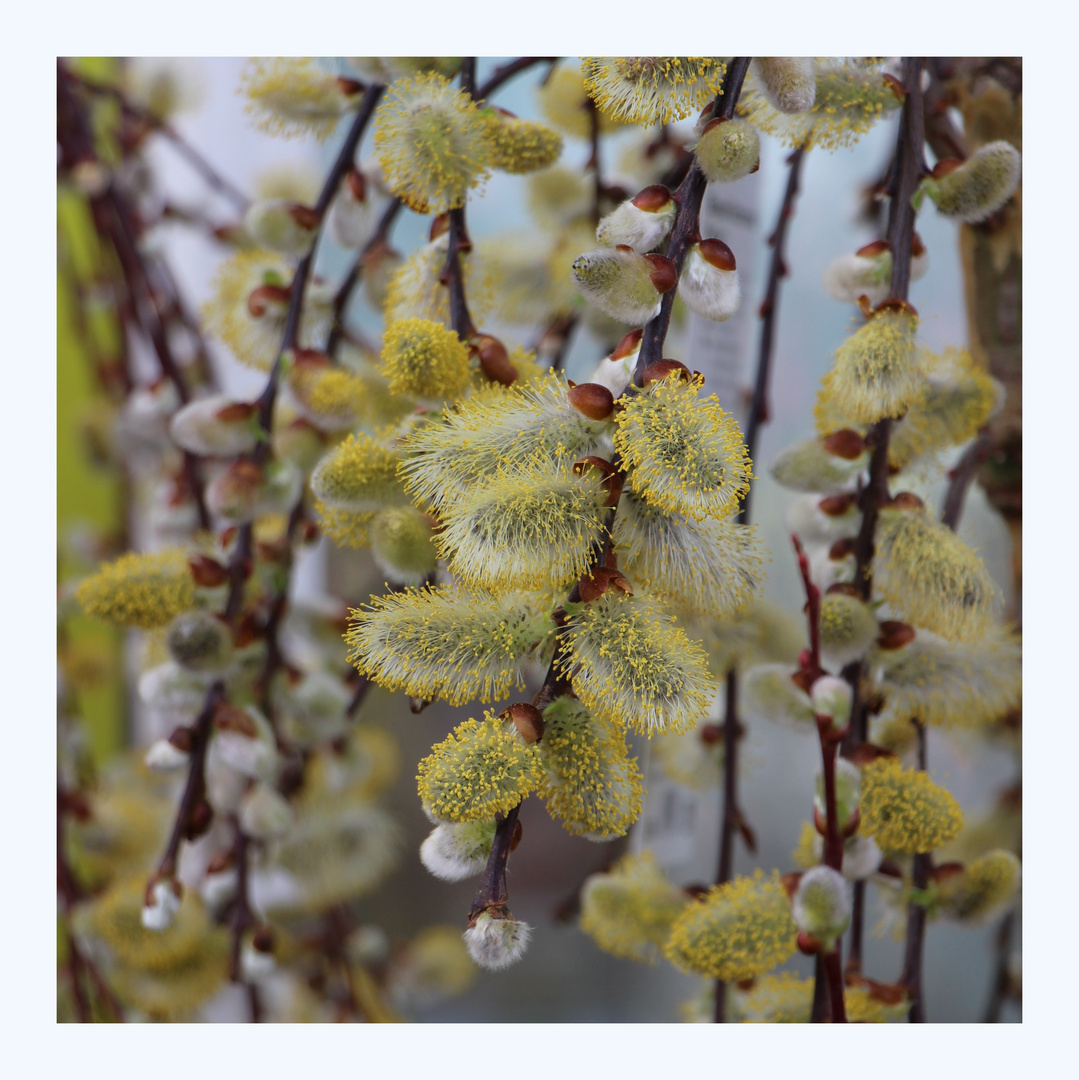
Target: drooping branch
[687, 224]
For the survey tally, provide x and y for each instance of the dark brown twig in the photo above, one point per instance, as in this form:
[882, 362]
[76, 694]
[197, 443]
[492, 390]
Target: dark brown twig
[506, 72]
[687, 225]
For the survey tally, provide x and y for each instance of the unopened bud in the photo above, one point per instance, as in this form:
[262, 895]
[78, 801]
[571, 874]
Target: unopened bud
[620, 283]
[494, 360]
[972, 191]
[821, 906]
[495, 940]
[894, 635]
[528, 721]
[728, 150]
[199, 820]
[199, 641]
[218, 426]
[640, 223]
[788, 82]
[208, 573]
[268, 298]
[663, 369]
[162, 902]
[264, 813]
[593, 400]
[832, 697]
[846, 444]
[709, 284]
[282, 226]
[166, 756]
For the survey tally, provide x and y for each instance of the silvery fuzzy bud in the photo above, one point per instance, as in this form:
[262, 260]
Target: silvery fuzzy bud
[217, 426]
[622, 284]
[165, 756]
[495, 939]
[349, 220]
[367, 945]
[728, 150]
[142, 428]
[162, 903]
[199, 642]
[709, 282]
[821, 905]
[832, 697]
[642, 222]
[868, 272]
[257, 960]
[264, 813]
[454, 852]
[218, 887]
[170, 688]
[788, 82]
[861, 857]
[245, 490]
[616, 371]
[243, 740]
[771, 693]
[281, 225]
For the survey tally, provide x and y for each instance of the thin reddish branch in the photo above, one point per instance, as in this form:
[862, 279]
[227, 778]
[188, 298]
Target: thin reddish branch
[506, 72]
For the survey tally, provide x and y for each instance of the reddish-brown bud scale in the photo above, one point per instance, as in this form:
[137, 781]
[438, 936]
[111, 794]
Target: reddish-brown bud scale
[842, 588]
[836, 505]
[867, 753]
[518, 834]
[310, 358]
[905, 500]
[842, 549]
[845, 444]
[593, 400]
[894, 303]
[628, 345]
[183, 738]
[494, 360]
[820, 822]
[263, 939]
[894, 635]
[896, 87]
[265, 295]
[944, 167]
[661, 369]
[790, 882]
[208, 573]
[237, 412]
[612, 481]
[916, 246]
[717, 254]
[652, 198]
[808, 944]
[871, 251]
[594, 585]
[945, 871]
[357, 185]
[527, 719]
[233, 718]
[440, 225]
[304, 216]
[199, 820]
[865, 307]
[711, 734]
[351, 87]
[851, 827]
[714, 123]
[664, 274]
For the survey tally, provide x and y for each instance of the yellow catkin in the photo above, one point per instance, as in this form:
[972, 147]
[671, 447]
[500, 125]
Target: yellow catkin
[290, 96]
[949, 684]
[532, 527]
[424, 360]
[359, 474]
[446, 458]
[986, 886]
[479, 770]
[592, 785]
[453, 646]
[681, 453]
[632, 664]
[628, 911]
[139, 589]
[429, 140]
[564, 103]
[878, 372]
[519, 146]
[931, 578]
[904, 810]
[652, 89]
[346, 528]
[850, 98]
[735, 931]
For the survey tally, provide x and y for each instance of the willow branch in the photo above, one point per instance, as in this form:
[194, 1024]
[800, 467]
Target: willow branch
[687, 225]
[506, 72]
